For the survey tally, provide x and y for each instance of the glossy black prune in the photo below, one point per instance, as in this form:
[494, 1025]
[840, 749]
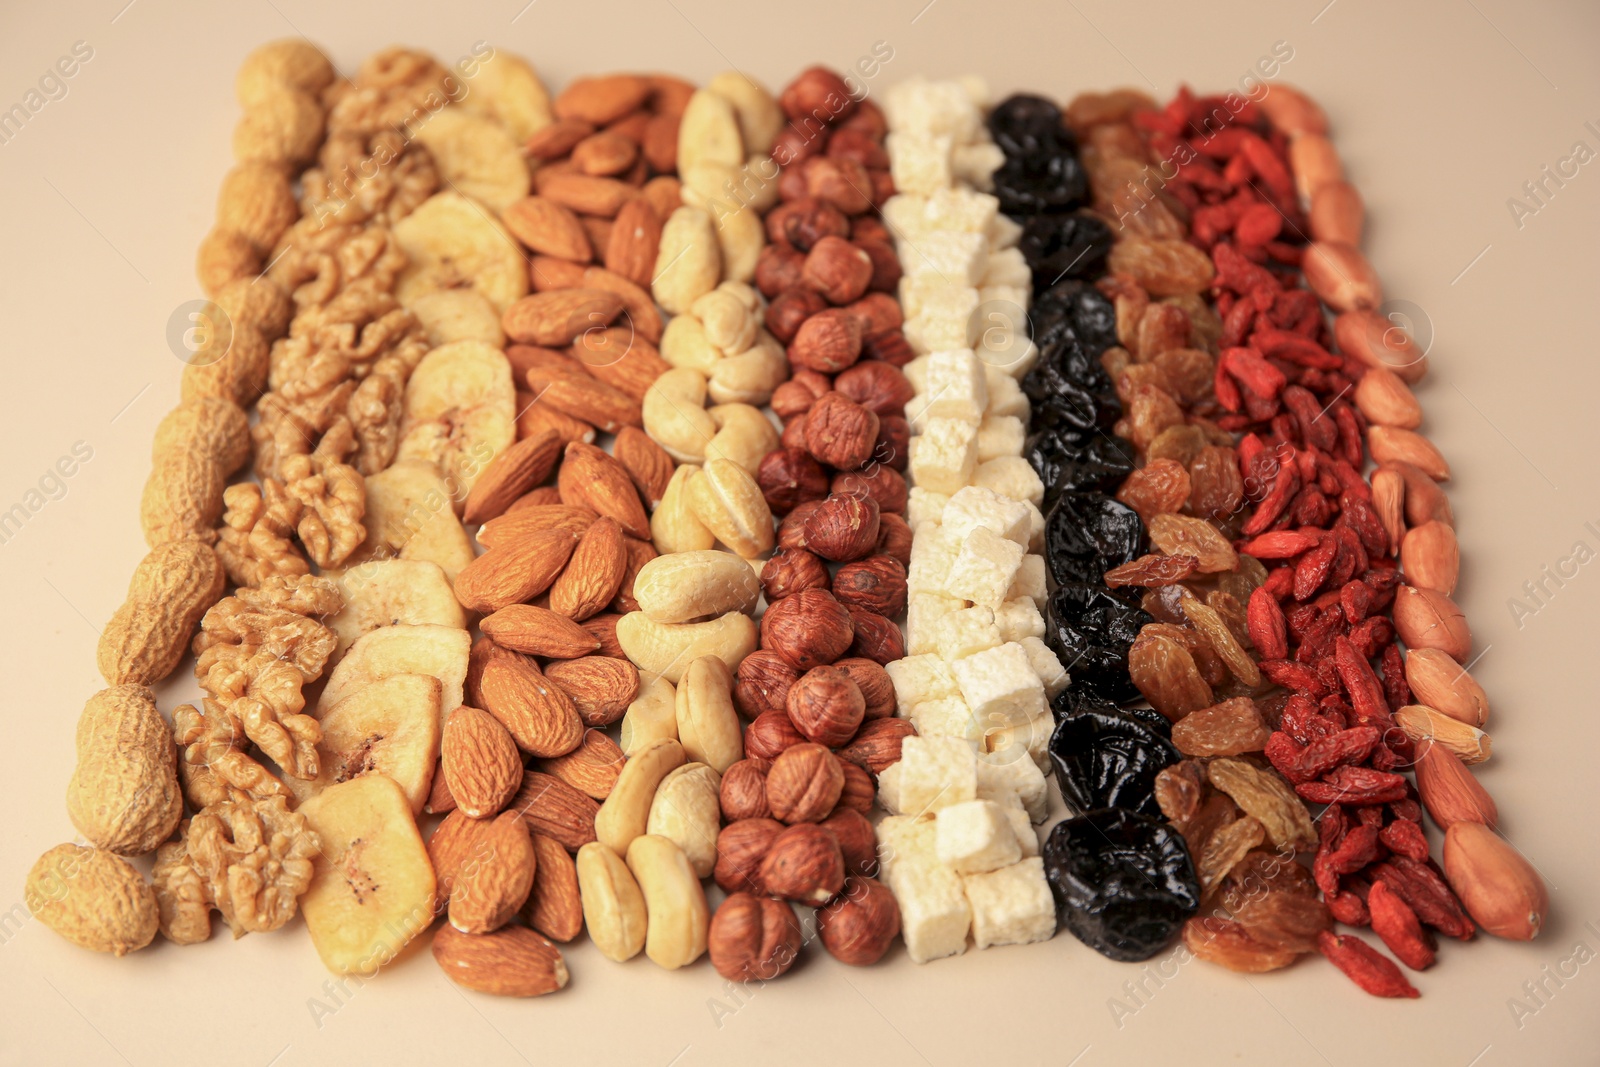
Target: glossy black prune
[1090, 628]
[1105, 757]
[1073, 699]
[1066, 389]
[1025, 125]
[1042, 183]
[1067, 463]
[1076, 309]
[1086, 534]
[1064, 246]
[1123, 884]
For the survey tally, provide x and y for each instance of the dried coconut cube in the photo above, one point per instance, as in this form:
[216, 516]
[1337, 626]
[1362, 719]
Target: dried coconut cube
[924, 505]
[944, 457]
[1004, 232]
[1011, 772]
[1031, 737]
[953, 257]
[946, 717]
[1022, 827]
[943, 326]
[934, 913]
[925, 615]
[1052, 675]
[984, 568]
[904, 215]
[931, 108]
[1009, 350]
[1009, 476]
[1000, 686]
[1003, 304]
[1030, 580]
[1019, 620]
[889, 789]
[974, 508]
[975, 164]
[1005, 395]
[960, 209]
[933, 552]
[920, 679]
[1000, 435]
[963, 633]
[1006, 266]
[975, 837]
[957, 386]
[1035, 527]
[936, 772]
[916, 373]
[919, 292]
[1012, 905]
[919, 164]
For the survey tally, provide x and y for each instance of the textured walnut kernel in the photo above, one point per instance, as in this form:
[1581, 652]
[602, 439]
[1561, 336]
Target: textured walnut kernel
[789, 476]
[791, 571]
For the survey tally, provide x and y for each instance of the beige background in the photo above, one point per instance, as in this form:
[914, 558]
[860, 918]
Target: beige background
[1441, 111]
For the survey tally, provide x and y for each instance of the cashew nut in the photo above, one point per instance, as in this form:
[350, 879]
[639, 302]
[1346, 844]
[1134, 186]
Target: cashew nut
[744, 435]
[752, 375]
[725, 497]
[685, 586]
[653, 716]
[708, 725]
[667, 648]
[613, 906]
[673, 527]
[684, 344]
[727, 317]
[689, 263]
[675, 415]
[626, 812]
[687, 810]
[679, 917]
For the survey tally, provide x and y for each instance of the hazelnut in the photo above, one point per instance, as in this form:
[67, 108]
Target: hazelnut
[877, 311]
[796, 144]
[837, 269]
[843, 527]
[788, 476]
[884, 484]
[762, 683]
[890, 346]
[741, 846]
[826, 706]
[818, 95]
[892, 449]
[860, 788]
[770, 734]
[753, 939]
[827, 342]
[790, 572]
[877, 743]
[877, 583]
[856, 840]
[808, 221]
[859, 925]
[777, 271]
[894, 538]
[867, 117]
[844, 183]
[877, 386]
[877, 688]
[877, 638]
[791, 531]
[840, 432]
[859, 146]
[804, 784]
[794, 432]
[883, 187]
[870, 228]
[804, 863]
[809, 629]
[790, 308]
[743, 793]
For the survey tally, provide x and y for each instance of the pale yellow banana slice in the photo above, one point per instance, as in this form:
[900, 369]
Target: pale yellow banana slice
[460, 412]
[455, 242]
[508, 90]
[439, 651]
[476, 157]
[458, 315]
[411, 515]
[391, 727]
[390, 591]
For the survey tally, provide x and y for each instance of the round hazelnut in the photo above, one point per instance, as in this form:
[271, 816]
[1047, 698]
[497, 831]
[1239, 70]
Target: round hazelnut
[844, 183]
[894, 538]
[803, 863]
[789, 308]
[867, 117]
[741, 847]
[826, 706]
[843, 527]
[893, 446]
[809, 629]
[886, 271]
[792, 528]
[827, 342]
[804, 784]
[789, 476]
[877, 386]
[876, 638]
[877, 688]
[743, 793]
[858, 926]
[794, 432]
[856, 840]
[796, 144]
[877, 583]
[809, 221]
[762, 683]
[818, 95]
[778, 271]
[753, 939]
[877, 743]
[776, 221]
[769, 734]
[877, 312]
[890, 346]
[860, 146]
[860, 789]
[884, 484]
[791, 571]
[882, 185]
[837, 269]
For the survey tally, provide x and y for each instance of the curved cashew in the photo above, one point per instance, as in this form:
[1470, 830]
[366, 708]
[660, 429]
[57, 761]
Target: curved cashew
[675, 415]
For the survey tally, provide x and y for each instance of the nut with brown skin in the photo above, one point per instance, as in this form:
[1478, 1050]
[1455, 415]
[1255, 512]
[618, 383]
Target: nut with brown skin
[789, 309]
[806, 223]
[877, 688]
[826, 706]
[804, 784]
[894, 538]
[753, 939]
[843, 527]
[856, 839]
[762, 683]
[743, 793]
[869, 119]
[859, 145]
[837, 269]
[877, 312]
[883, 186]
[809, 629]
[795, 396]
[789, 476]
[860, 789]
[858, 926]
[791, 571]
[884, 484]
[793, 145]
[877, 638]
[741, 847]
[792, 530]
[770, 734]
[890, 346]
[844, 183]
[827, 342]
[877, 743]
[877, 583]
[778, 271]
[877, 386]
[794, 432]
[803, 864]
[840, 432]
[819, 95]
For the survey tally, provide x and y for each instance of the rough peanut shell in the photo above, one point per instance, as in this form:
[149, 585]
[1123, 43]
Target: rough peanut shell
[173, 586]
[124, 794]
[92, 898]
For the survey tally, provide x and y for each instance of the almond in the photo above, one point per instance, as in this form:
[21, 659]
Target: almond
[587, 195]
[1422, 723]
[1449, 790]
[604, 629]
[1499, 887]
[647, 463]
[1389, 500]
[512, 962]
[598, 230]
[554, 907]
[594, 574]
[592, 767]
[534, 418]
[550, 362]
[557, 139]
[1430, 557]
[538, 632]
[510, 474]
[621, 358]
[515, 571]
[536, 518]
[555, 318]
[1427, 619]
[548, 273]
[639, 553]
[539, 496]
[1341, 276]
[548, 227]
[457, 840]
[439, 801]
[1385, 399]
[601, 100]
[593, 479]
[1442, 683]
[635, 240]
[552, 807]
[494, 881]
[1391, 444]
[1378, 341]
[606, 154]
[599, 686]
[539, 715]
[643, 315]
[590, 400]
[480, 761]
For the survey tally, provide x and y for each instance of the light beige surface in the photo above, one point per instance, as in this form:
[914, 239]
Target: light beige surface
[1441, 111]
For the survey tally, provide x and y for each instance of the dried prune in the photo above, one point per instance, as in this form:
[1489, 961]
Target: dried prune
[1086, 534]
[1107, 758]
[1027, 125]
[1064, 246]
[1091, 628]
[1070, 390]
[1123, 883]
[1072, 308]
[1043, 182]
[1065, 465]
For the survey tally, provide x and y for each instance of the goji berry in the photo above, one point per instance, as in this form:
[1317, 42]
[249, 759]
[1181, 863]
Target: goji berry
[1354, 785]
[1325, 753]
[1407, 809]
[1292, 675]
[1370, 815]
[1404, 837]
[1421, 887]
[1357, 513]
[1278, 544]
[1355, 598]
[1364, 965]
[1366, 695]
[1303, 722]
[1283, 488]
[1396, 924]
[1285, 344]
[1349, 434]
[1395, 687]
[1264, 621]
[1348, 908]
[1312, 570]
